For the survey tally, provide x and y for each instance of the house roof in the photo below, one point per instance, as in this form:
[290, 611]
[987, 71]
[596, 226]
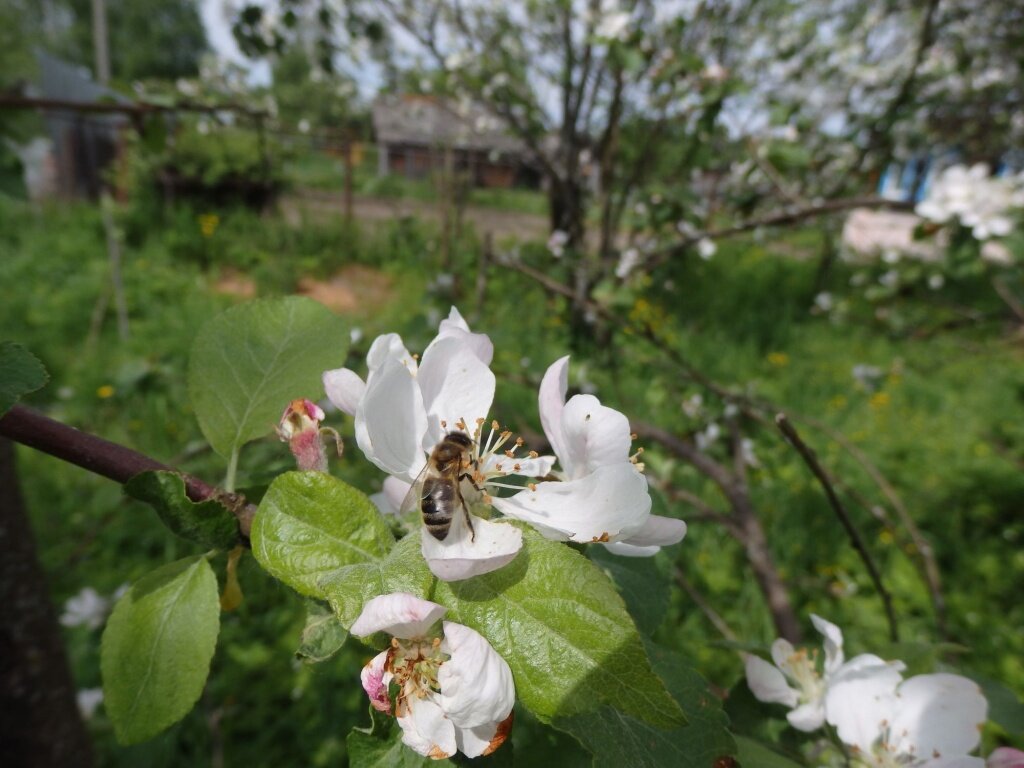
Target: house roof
[434, 121]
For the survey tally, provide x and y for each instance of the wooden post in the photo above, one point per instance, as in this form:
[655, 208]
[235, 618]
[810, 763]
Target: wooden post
[100, 42]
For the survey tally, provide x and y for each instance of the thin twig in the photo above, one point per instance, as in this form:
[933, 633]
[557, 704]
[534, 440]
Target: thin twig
[102, 457]
[809, 457]
[705, 607]
[929, 567]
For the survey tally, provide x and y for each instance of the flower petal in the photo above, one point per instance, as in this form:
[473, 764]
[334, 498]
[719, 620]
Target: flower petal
[596, 436]
[956, 761]
[807, 717]
[389, 500]
[938, 714]
[551, 401]
[454, 327]
[611, 504]
[484, 739]
[767, 683]
[344, 389]
[476, 683]
[538, 467]
[833, 643]
[456, 385]
[426, 730]
[400, 614]
[861, 696]
[782, 651]
[391, 422]
[623, 549]
[659, 531]
[375, 679]
[387, 347]
[459, 556]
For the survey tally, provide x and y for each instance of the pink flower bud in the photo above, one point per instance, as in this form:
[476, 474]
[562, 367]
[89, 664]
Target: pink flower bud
[300, 428]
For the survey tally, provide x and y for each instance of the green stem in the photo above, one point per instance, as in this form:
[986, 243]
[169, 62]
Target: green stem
[229, 476]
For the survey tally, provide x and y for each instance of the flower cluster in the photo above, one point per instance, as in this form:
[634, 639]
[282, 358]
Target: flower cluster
[982, 203]
[406, 407]
[926, 721]
[452, 691]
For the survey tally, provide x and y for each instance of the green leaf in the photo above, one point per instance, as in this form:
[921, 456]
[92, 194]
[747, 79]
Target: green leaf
[248, 363]
[157, 648]
[403, 570]
[641, 581]
[753, 754]
[565, 632]
[618, 739]
[323, 635]
[387, 751]
[1004, 708]
[208, 523]
[20, 373]
[310, 525]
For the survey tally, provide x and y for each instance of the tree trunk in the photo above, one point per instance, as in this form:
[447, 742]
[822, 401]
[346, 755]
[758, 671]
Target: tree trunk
[40, 726]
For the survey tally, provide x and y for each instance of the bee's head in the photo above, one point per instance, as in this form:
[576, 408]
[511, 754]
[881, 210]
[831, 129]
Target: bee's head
[450, 450]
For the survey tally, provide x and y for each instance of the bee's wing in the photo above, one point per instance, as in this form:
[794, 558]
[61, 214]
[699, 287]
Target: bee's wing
[411, 503]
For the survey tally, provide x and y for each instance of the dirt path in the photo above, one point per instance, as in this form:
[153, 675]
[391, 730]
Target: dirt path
[502, 224]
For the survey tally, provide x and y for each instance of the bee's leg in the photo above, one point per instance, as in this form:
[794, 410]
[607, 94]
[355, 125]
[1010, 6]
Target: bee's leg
[467, 476]
[469, 518]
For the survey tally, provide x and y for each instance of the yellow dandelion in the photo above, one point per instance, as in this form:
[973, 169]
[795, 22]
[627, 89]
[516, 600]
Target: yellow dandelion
[778, 359]
[104, 392]
[879, 400]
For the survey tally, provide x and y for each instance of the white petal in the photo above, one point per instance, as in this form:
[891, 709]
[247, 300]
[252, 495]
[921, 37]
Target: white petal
[622, 549]
[375, 680]
[609, 505]
[426, 730]
[456, 385]
[476, 683]
[959, 761]
[400, 614]
[388, 347]
[596, 436]
[782, 652]
[658, 531]
[539, 467]
[833, 643]
[807, 717]
[459, 557]
[344, 389]
[551, 401]
[454, 327]
[938, 714]
[474, 742]
[767, 683]
[394, 421]
[389, 500]
[861, 696]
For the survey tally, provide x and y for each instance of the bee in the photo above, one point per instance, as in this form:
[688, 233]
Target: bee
[437, 492]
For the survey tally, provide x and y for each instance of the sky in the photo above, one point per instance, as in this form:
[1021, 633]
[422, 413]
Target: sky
[216, 16]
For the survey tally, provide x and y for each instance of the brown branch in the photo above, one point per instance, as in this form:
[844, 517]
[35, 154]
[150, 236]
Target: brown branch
[928, 565]
[102, 457]
[779, 218]
[811, 460]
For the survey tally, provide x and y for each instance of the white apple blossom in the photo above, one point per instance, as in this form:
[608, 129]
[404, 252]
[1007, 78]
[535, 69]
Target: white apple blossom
[982, 203]
[89, 700]
[87, 609]
[795, 679]
[927, 721]
[404, 409]
[557, 242]
[706, 248]
[454, 693]
[628, 260]
[601, 495]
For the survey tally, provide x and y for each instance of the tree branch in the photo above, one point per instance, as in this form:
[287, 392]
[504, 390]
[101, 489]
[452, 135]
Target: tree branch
[115, 462]
[809, 457]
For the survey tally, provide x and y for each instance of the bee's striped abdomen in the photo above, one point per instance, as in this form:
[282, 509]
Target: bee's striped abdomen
[437, 503]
